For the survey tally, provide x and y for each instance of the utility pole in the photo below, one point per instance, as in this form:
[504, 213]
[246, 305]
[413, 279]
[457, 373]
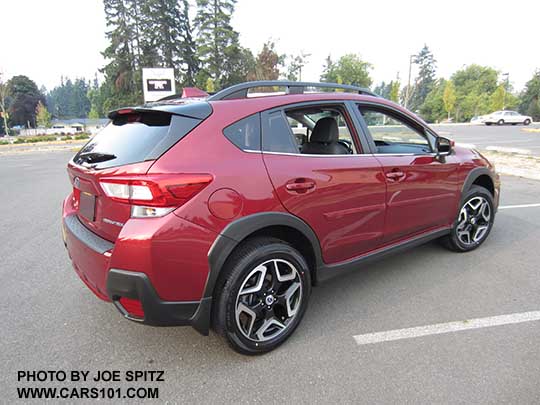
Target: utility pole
[408, 92]
[505, 89]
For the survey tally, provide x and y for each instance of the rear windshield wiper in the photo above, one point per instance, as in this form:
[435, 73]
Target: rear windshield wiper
[96, 157]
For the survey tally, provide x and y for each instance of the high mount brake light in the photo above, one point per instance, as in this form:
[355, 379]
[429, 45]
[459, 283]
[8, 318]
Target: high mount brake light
[161, 190]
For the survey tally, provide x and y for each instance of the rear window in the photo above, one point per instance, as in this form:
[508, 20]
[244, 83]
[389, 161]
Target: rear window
[133, 138]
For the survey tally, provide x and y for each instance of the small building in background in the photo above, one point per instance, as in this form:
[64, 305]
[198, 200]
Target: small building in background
[69, 127]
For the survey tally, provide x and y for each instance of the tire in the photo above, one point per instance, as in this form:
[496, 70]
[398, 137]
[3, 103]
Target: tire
[500, 122]
[255, 311]
[527, 122]
[465, 223]
[488, 123]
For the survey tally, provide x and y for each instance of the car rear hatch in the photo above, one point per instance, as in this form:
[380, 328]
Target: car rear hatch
[109, 173]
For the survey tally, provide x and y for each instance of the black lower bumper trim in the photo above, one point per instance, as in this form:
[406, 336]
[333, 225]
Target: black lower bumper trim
[135, 285]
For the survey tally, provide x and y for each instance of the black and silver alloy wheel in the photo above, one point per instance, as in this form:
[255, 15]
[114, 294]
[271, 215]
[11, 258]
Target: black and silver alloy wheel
[261, 295]
[474, 220]
[268, 300]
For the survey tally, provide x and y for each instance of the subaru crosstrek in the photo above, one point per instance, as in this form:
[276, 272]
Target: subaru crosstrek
[224, 211]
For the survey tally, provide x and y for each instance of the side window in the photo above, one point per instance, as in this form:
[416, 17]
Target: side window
[309, 130]
[300, 131]
[394, 135]
[246, 133]
[277, 134]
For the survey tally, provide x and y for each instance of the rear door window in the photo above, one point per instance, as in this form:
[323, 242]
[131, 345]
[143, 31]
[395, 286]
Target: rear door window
[133, 138]
[277, 133]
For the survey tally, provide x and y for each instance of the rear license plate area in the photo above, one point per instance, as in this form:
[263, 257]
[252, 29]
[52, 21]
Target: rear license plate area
[87, 206]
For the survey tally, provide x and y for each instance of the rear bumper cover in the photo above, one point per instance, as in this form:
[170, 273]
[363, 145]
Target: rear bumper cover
[135, 285]
[90, 256]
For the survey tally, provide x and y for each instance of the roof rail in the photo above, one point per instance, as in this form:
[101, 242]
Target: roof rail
[241, 90]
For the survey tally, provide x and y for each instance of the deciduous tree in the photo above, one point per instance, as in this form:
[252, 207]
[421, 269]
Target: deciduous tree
[530, 97]
[394, 90]
[267, 63]
[295, 65]
[474, 85]
[433, 109]
[498, 98]
[449, 98]
[43, 116]
[24, 95]
[3, 103]
[350, 68]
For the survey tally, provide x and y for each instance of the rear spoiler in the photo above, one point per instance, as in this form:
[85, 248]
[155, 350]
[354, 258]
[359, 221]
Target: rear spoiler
[198, 110]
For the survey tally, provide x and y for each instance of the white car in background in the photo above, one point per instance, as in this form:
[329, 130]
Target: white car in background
[506, 117]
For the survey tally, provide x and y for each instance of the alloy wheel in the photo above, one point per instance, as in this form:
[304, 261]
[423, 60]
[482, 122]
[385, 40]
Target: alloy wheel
[474, 221]
[268, 300]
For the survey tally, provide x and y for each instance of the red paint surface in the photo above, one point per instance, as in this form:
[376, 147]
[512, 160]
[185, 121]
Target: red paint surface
[349, 202]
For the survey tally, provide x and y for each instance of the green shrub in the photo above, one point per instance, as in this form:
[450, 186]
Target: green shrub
[81, 136]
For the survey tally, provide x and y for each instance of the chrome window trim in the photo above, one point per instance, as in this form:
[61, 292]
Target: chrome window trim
[342, 156]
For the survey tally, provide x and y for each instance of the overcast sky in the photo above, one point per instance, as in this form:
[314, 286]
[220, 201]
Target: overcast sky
[47, 39]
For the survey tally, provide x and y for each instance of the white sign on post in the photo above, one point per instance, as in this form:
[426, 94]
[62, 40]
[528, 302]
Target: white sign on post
[158, 83]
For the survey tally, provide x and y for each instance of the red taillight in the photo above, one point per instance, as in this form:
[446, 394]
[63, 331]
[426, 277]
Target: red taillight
[132, 306]
[165, 190]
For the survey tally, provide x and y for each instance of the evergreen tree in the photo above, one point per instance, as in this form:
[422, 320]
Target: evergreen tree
[70, 99]
[167, 38]
[189, 49]
[219, 50]
[122, 74]
[238, 64]
[426, 77]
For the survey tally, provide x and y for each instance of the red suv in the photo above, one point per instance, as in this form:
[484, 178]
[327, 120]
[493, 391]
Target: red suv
[223, 211]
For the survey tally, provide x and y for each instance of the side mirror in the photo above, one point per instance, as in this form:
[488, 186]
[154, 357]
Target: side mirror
[444, 146]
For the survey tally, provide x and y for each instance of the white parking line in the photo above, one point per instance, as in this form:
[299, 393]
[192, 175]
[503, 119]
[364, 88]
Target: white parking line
[436, 329]
[506, 207]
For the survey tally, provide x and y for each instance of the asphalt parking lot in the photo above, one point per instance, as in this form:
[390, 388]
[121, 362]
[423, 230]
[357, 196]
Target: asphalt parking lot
[51, 321]
[525, 138]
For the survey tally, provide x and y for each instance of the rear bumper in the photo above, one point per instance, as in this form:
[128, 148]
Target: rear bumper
[91, 257]
[89, 254]
[135, 285]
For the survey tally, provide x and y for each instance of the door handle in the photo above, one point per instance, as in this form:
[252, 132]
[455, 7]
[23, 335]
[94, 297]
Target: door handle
[300, 185]
[395, 175]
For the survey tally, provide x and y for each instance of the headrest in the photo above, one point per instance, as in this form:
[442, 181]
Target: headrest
[325, 131]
